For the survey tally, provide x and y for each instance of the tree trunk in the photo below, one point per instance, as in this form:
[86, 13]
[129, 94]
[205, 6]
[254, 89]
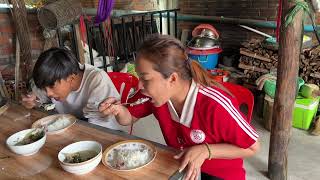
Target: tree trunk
[288, 64]
[23, 33]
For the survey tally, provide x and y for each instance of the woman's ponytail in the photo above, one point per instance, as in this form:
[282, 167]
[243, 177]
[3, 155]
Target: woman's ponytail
[204, 77]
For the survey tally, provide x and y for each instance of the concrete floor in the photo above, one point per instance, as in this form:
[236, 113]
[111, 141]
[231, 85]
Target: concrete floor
[303, 156]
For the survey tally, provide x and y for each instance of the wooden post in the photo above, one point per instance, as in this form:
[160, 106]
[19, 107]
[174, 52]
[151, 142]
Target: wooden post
[289, 54]
[79, 44]
[17, 78]
[22, 30]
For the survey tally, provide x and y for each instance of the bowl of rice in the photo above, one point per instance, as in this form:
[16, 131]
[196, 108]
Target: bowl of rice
[129, 155]
[55, 124]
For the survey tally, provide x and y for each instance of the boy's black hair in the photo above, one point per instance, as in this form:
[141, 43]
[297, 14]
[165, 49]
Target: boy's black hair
[54, 65]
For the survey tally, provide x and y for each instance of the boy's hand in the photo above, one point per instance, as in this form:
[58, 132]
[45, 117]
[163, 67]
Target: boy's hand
[110, 106]
[29, 100]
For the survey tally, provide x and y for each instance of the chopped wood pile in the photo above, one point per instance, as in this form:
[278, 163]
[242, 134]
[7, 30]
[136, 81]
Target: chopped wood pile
[257, 60]
[309, 68]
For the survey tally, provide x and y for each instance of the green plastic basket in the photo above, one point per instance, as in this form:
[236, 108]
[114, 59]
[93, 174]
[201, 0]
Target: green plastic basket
[305, 110]
[270, 86]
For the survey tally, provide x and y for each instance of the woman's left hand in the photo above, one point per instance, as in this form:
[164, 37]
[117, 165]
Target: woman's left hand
[193, 157]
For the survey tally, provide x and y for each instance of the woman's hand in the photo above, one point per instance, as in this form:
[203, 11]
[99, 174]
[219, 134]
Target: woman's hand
[110, 106]
[193, 157]
[29, 100]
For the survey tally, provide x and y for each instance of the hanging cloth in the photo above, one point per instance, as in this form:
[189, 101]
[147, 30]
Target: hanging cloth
[83, 30]
[109, 38]
[103, 11]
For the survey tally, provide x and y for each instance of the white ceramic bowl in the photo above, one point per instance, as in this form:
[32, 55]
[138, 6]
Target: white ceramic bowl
[25, 150]
[83, 167]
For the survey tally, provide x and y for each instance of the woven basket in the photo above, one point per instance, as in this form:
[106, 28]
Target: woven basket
[59, 13]
[10, 85]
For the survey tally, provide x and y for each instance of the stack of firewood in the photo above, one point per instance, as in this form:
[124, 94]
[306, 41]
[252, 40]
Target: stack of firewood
[257, 60]
[310, 66]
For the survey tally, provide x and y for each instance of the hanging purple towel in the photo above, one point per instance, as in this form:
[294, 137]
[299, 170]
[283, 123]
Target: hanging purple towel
[103, 11]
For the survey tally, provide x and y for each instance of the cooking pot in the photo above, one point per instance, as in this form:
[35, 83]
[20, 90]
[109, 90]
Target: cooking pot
[208, 33]
[205, 30]
[203, 43]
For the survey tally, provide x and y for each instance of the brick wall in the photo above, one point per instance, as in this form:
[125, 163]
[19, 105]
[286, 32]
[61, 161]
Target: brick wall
[8, 42]
[231, 35]
[256, 9]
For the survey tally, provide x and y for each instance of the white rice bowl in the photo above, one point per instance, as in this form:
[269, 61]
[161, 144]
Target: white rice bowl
[60, 123]
[130, 158]
[129, 155]
[55, 124]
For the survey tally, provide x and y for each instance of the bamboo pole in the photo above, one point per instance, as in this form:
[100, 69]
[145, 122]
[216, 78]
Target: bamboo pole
[289, 53]
[19, 14]
[17, 93]
[79, 44]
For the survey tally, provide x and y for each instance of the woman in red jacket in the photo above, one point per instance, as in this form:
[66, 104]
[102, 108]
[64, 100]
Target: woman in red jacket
[196, 114]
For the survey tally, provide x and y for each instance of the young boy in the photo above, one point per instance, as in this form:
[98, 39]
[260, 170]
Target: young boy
[73, 88]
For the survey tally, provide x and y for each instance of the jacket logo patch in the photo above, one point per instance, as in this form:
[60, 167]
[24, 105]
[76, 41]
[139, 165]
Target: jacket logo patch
[197, 136]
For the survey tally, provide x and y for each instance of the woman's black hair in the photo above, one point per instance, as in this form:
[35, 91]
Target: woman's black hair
[54, 65]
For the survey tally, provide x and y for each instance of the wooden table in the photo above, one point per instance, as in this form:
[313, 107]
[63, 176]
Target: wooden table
[45, 164]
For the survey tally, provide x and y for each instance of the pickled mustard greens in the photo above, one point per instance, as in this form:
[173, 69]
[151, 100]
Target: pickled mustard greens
[80, 156]
[31, 137]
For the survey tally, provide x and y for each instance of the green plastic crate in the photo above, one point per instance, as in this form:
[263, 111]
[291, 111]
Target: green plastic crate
[270, 86]
[304, 111]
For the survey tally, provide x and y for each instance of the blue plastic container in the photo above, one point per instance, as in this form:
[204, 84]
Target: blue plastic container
[207, 61]
[207, 58]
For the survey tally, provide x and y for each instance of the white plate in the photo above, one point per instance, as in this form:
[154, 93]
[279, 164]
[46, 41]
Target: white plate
[46, 121]
[109, 154]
